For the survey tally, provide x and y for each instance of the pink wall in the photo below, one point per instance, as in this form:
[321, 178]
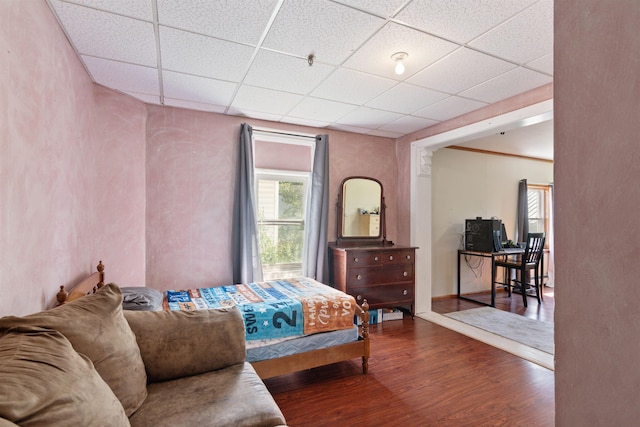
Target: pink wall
[71, 159]
[191, 163]
[78, 183]
[597, 168]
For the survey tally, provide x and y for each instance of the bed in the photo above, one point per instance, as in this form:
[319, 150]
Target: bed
[344, 343]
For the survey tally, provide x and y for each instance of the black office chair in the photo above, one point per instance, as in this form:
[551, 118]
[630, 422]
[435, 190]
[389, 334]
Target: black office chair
[524, 263]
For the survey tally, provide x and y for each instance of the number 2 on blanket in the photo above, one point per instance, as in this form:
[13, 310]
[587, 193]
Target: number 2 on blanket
[277, 317]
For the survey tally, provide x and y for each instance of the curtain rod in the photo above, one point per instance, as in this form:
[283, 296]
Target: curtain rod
[279, 132]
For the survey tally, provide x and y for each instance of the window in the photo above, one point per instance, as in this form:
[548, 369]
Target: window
[281, 204]
[538, 199]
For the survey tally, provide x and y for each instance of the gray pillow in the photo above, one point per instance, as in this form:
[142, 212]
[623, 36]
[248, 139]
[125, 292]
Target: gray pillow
[141, 299]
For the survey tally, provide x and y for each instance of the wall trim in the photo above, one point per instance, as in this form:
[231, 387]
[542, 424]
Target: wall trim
[495, 153]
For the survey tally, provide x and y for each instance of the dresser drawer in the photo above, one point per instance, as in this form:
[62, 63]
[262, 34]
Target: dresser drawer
[383, 275]
[387, 295]
[380, 275]
[364, 258]
[398, 256]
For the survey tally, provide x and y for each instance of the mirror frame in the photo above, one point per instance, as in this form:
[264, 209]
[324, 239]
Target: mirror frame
[342, 240]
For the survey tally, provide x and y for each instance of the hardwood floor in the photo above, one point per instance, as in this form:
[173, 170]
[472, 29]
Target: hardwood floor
[421, 374]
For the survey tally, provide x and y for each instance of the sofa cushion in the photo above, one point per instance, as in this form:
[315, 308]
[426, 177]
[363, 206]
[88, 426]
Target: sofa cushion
[96, 327]
[45, 382]
[197, 341]
[233, 396]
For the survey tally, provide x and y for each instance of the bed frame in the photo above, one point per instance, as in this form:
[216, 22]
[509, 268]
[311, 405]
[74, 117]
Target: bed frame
[86, 286]
[264, 368]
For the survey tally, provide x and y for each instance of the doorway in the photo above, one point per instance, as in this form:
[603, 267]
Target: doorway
[421, 225]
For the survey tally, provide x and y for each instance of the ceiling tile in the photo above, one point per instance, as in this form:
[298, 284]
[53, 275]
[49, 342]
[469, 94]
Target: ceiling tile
[304, 27]
[352, 87]
[140, 9]
[274, 70]
[459, 20]
[304, 122]
[107, 35]
[544, 64]
[125, 77]
[197, 89]
[264, 100]
[383, 8]
[229, 20]
[194, 105]
[461, 70]
[509, 84]
[529, 35]
[405, 98]
[375, 56]
[449, 108]
[321, 109]
[208, 59]
[203, 56]
[408, 124]
[368, 118]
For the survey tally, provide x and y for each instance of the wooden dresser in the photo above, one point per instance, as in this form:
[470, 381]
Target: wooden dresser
[383, 275]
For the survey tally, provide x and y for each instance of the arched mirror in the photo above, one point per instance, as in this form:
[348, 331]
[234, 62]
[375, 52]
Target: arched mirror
[361, 209]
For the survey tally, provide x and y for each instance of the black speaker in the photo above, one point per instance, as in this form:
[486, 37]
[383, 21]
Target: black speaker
[478, 234]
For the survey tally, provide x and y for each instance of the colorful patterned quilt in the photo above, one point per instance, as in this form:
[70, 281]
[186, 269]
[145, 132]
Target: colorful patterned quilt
[274, 309]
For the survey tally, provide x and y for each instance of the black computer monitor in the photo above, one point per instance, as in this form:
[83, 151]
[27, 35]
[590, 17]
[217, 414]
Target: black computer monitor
[503, 233]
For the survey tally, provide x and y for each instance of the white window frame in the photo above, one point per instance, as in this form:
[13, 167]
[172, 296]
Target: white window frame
[290, 176]
[284, 137]
[546, 208]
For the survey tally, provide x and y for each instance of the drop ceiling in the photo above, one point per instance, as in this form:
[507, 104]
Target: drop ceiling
[250, 57]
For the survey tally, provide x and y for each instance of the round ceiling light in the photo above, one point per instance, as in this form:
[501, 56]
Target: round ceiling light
[398, 58]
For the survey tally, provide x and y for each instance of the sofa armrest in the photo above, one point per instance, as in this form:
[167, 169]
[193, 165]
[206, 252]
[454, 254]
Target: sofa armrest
[175, 344]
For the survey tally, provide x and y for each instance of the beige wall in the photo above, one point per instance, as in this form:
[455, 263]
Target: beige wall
[597, 169]
[466, 185]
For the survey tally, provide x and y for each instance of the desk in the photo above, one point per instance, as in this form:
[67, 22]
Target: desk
[493, 256]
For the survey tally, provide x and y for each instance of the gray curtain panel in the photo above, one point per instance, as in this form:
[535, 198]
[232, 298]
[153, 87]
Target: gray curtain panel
[522, 229]
[247, 267]
[315, 256]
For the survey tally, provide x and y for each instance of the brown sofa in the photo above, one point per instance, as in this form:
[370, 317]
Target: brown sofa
[89, 362]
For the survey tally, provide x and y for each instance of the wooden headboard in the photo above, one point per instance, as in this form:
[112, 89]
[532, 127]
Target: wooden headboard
[86, 286]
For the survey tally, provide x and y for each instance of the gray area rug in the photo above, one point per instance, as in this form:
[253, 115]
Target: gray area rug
[530, 332]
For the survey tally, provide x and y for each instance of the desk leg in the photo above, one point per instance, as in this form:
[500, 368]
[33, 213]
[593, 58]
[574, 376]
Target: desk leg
[459, 255]
[493, 281]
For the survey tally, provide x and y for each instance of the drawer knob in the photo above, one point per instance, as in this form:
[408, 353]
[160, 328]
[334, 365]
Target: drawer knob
[405, 292]
[356, 259]
[375, 258]
[359, 297]
[408, 256]
[405, 274]
[359, 277]
[390, 257]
